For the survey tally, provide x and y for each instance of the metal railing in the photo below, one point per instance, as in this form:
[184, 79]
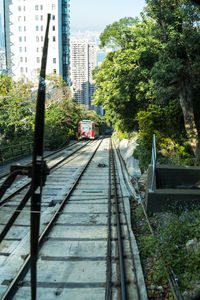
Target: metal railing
[11, 152]
[153, 162]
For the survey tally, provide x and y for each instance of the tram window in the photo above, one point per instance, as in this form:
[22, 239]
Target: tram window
[86, 127]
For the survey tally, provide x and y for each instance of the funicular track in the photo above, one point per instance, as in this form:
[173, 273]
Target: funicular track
[51, 157]
[173, 282]
[85, 250]
[55, 160]
[71, 240]
[51, 206]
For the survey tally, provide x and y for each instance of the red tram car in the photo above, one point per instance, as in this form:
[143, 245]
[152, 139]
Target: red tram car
[87, 130]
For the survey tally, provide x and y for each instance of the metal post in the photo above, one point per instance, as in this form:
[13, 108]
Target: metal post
[153, 162]
[38, 171]
[5, 34]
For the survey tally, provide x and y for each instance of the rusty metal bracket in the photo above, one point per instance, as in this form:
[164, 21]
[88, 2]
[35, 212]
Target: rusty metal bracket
[14, 172]
[42, 171]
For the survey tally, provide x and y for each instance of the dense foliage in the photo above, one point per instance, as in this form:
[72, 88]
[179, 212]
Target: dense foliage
[173, 247]
[149, 80]
[17, 112]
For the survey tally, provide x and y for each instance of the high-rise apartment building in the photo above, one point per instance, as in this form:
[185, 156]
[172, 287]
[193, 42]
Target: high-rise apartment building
[25, 25]
[82, 62]
[1, 33]
[2, 61]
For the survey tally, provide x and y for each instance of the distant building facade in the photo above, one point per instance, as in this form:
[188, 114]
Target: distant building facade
[82, 62]
[1, 33]
[25, 25]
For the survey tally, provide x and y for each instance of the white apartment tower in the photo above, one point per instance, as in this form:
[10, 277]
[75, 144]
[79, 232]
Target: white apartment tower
[82, 62]
[25, 25]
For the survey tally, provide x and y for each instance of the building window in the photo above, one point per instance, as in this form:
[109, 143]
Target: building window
[20, 38]
[20, 49]
[26, 70]
[24, 18]
[54, 38]
[36, 28]
[36, 7]
[37, 49]
[19, 8]
[24, 28]
[21, 59]
[53, 6]
[53, 27]
[36, 17]
[54, 60]
[25, 59]
[19, 18]
[42, 38]
[20, 28]
[24, 38]
[21, 69]
[53, 17]
[37, 59]
[54, 71]
[41, 28]
[41, 18]
[37, 38]
[24, 49]
[24, 8]
[41, 7]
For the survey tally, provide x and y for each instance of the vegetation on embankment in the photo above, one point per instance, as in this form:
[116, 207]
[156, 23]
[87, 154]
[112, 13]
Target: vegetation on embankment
[148, 83]
[174, 247]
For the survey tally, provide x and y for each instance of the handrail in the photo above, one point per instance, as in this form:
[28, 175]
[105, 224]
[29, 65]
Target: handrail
[13, 151]
[153, 162]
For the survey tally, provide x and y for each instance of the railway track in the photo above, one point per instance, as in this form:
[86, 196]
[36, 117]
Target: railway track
[4, 170]
[54, 159]
[87, 250]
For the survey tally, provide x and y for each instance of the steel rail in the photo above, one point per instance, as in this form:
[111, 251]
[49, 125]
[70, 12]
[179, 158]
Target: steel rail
[119, 235]
[51, 168]
[15, 215]
[128, 231]
[45, 156]
[13, 287]
[172, 282]
[108, 292]
[21, 205]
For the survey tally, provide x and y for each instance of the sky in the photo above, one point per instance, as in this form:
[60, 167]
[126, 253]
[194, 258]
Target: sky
[96, 14]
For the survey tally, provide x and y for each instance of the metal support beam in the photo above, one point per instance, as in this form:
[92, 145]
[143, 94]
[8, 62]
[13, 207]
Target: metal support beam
[39, 166]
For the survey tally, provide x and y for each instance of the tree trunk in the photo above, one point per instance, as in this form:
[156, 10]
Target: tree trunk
[185, 97]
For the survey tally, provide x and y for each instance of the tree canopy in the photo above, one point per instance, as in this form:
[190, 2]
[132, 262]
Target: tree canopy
[155, 61]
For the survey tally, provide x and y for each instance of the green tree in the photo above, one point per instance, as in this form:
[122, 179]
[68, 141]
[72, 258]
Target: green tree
[16, 109]
[123, 79]
[62, 112]
[177, 66]
[89, 115]
[118, 34]
[6, 84]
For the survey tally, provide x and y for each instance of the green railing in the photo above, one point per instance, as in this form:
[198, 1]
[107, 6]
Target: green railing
[12, 152]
